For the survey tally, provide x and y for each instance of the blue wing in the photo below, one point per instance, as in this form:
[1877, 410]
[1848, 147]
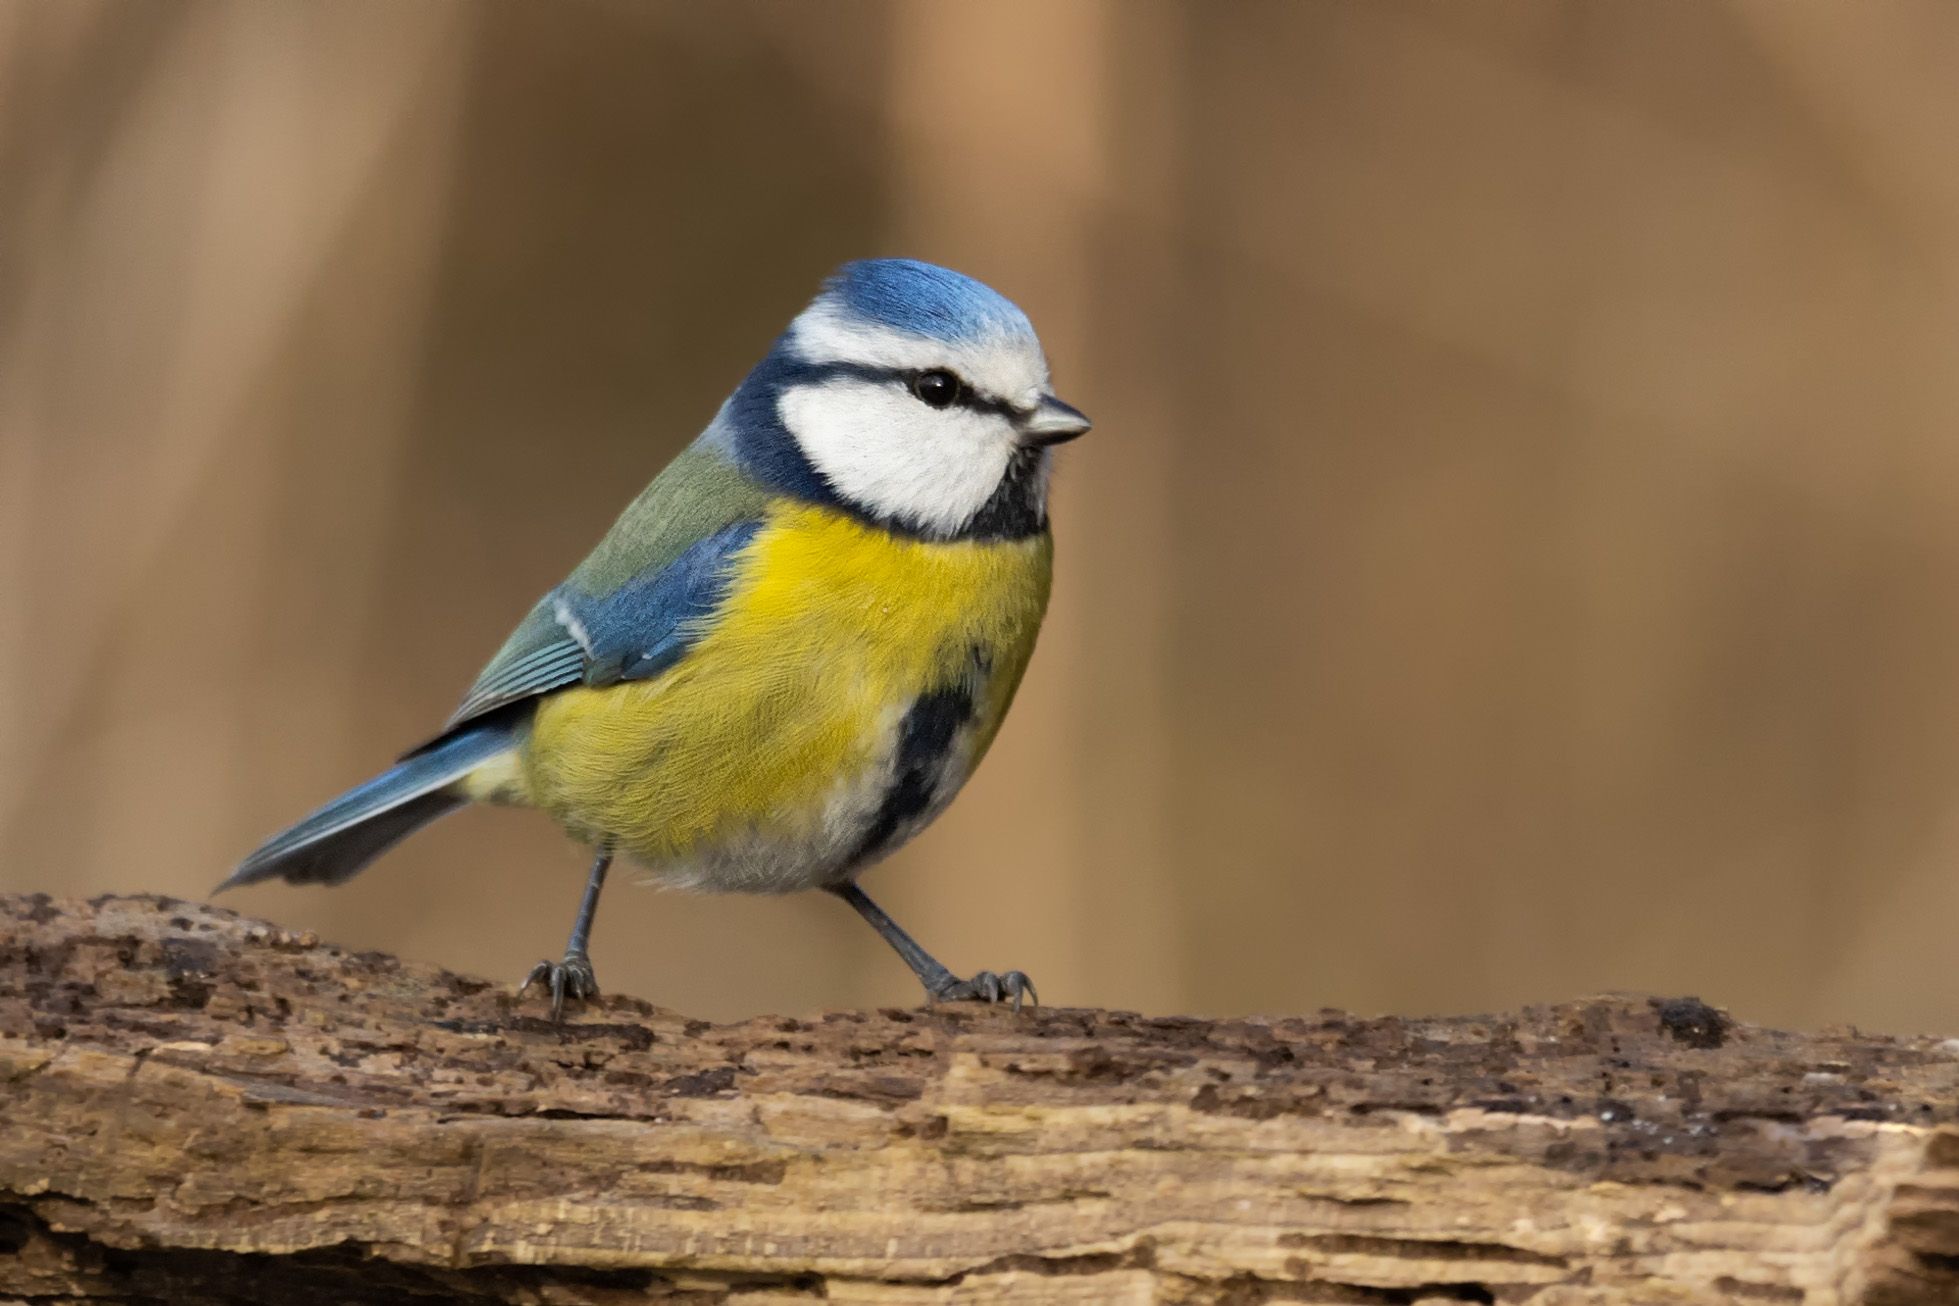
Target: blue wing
[633, 632]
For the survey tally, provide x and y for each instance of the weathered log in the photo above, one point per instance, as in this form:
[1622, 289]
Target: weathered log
[201, 1107]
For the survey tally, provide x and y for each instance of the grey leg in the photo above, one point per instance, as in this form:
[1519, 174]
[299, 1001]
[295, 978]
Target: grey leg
[573, 977]
[941, 985]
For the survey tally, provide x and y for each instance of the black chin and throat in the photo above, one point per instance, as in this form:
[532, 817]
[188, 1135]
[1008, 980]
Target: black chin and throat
[1016, 510]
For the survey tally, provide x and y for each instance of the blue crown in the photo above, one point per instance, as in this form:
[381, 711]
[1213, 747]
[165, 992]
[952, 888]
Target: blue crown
[925, 300]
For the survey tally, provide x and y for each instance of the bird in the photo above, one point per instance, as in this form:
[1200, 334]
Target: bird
[791, 650]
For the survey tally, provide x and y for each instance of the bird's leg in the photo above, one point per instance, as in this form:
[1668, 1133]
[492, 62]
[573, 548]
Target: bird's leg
[941, 985]
[573, 977]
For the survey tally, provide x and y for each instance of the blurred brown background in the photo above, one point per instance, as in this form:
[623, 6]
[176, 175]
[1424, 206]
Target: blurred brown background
[1518, 554]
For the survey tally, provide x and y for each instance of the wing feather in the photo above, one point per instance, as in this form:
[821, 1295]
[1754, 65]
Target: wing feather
[636, 604]
[633, 633]
[547, 667]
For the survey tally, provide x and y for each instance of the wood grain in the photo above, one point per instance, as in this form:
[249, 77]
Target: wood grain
[202, 1107]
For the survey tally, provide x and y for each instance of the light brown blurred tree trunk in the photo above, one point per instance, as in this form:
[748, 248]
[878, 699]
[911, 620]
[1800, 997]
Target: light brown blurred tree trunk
[199, 1107]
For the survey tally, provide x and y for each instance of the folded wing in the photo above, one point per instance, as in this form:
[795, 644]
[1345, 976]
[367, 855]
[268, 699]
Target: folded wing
[634, 632]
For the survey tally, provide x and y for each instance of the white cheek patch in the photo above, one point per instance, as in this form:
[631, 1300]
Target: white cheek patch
[884, 450]
[1005, 367]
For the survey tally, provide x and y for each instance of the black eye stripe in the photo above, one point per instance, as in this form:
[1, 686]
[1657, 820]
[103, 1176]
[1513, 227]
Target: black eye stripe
[969, 398]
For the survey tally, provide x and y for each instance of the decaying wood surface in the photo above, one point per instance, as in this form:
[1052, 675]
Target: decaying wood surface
[204, 1108]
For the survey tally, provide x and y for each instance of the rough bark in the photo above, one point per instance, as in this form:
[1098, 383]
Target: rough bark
[201, 1107]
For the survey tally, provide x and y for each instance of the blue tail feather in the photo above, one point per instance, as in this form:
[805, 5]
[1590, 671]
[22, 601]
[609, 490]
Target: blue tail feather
[338, 840]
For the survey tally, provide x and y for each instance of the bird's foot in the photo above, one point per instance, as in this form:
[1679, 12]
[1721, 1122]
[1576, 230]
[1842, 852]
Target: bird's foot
[989, 987]
[570, 978]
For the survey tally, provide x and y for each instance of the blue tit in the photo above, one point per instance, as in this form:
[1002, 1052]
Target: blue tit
[792, 649]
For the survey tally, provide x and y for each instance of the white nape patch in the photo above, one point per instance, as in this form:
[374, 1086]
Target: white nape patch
[1007, 367]
[885, 451]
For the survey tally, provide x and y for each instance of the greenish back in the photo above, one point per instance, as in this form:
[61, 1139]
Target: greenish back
[699, 493]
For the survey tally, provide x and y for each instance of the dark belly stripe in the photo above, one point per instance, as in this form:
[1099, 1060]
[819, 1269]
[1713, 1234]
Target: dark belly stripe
[924, 739]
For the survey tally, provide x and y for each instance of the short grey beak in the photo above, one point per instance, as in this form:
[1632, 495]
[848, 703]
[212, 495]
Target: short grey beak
[1054, 423]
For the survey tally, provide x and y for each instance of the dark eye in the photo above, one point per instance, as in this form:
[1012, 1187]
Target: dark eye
[937, 388]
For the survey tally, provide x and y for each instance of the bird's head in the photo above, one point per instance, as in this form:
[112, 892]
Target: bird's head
[909, 394]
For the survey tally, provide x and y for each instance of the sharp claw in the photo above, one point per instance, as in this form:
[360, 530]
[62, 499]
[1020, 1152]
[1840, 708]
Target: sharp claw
[540, 974]
[567, 979]
[990, 987]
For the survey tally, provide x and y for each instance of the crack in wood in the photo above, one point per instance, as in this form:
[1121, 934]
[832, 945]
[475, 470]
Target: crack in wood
[202, 1107]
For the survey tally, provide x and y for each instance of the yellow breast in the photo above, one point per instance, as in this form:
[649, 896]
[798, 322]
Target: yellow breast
[776, 728]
